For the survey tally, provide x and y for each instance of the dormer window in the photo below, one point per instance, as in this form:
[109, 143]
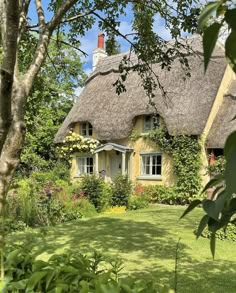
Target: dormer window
[151, 122]
[86, 129]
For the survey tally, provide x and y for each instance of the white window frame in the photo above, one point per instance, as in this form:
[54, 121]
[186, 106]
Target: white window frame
[143, 174]
[87, 126]
[146, 127]
[84, 166]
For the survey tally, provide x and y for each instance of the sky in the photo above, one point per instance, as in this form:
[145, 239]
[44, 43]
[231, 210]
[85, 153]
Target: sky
[89, 41]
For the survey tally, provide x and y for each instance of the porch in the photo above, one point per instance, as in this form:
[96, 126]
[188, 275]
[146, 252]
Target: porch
[112, 159]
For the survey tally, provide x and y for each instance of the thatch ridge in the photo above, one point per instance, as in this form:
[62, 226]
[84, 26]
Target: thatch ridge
[112, 116]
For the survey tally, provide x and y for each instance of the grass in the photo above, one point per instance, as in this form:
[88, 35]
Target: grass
[146, 242]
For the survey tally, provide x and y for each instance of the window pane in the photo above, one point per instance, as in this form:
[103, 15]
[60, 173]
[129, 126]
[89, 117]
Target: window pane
[151, 164]
[159, 160]
[158, 170]
[148, 123]
[81, 166]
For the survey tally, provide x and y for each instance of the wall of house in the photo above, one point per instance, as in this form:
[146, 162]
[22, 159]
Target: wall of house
[134, 159]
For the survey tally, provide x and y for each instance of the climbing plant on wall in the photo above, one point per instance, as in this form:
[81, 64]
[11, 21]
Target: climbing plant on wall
[186, 153]
[76, 143]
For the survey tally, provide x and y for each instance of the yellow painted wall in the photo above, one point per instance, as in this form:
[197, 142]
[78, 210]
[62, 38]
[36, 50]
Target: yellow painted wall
[133, 159]
[146, 145]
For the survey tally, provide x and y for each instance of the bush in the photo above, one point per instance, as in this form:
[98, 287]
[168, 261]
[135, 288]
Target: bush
[166, 195]
[121, 190]
[228, 234]
[79, 208]
[67, 273]
[91, 187]
[138, 202]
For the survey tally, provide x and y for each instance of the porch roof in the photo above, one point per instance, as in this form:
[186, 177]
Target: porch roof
[113, 146]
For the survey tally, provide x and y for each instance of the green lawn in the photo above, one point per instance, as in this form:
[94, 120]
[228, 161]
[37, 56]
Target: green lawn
[146, 242]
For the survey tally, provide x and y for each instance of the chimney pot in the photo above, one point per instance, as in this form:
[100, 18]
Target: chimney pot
[101, 41]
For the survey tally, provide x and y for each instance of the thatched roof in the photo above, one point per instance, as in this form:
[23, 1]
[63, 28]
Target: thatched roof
[112, 116]
[223, 124]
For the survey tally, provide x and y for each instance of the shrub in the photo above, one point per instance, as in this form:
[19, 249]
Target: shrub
[67, 273]
[79, 208]
[218, 167]
[91, 187]
[228, 234]
[121, 190]
[138, 202]
[165, 195]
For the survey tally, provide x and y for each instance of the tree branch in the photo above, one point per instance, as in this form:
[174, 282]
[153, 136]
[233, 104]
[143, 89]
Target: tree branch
[41, 17]
[134, 46]
[57, 18]
[72, 46]
[24, 11]
[9, 33]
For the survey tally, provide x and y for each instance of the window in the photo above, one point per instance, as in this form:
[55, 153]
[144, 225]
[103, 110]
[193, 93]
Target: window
[85, 165]
[151, 122]
[86, 129]
[151, 165]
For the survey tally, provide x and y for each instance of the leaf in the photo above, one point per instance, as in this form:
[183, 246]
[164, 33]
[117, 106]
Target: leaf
[232, 206]
[207, 11]
[35, 279]
[217, 189]
[191, 206]
[210, 36]
[230, 174]
[213, 182]
[230, 17]
[214, 208]
[213, 244]
[230, 142]
[202, 225]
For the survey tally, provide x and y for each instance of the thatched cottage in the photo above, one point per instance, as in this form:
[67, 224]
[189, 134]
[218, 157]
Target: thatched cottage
[202, 105]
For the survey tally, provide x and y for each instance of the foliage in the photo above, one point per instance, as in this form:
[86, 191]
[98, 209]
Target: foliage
[91, 187]
[79, 207]
[214, 17]
[11, 225]
[121, 190]
[138, 202]
[166, 195]
[67, 273]
[229, 233]
[185, 151]
[220, 211]
[217, 167]
[46, 198]
[49, 102]
[76, 143]
[135, 135]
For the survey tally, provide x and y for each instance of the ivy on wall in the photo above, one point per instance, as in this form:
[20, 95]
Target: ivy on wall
[186, 153]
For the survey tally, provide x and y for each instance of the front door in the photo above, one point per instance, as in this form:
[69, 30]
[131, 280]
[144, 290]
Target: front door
[115, 163]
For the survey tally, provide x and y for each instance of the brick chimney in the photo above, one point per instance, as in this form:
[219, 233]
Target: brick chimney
[100, 52]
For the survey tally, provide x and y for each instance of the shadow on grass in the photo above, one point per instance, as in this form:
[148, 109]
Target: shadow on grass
[106, 234]
[146, 242]
[194, 276]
